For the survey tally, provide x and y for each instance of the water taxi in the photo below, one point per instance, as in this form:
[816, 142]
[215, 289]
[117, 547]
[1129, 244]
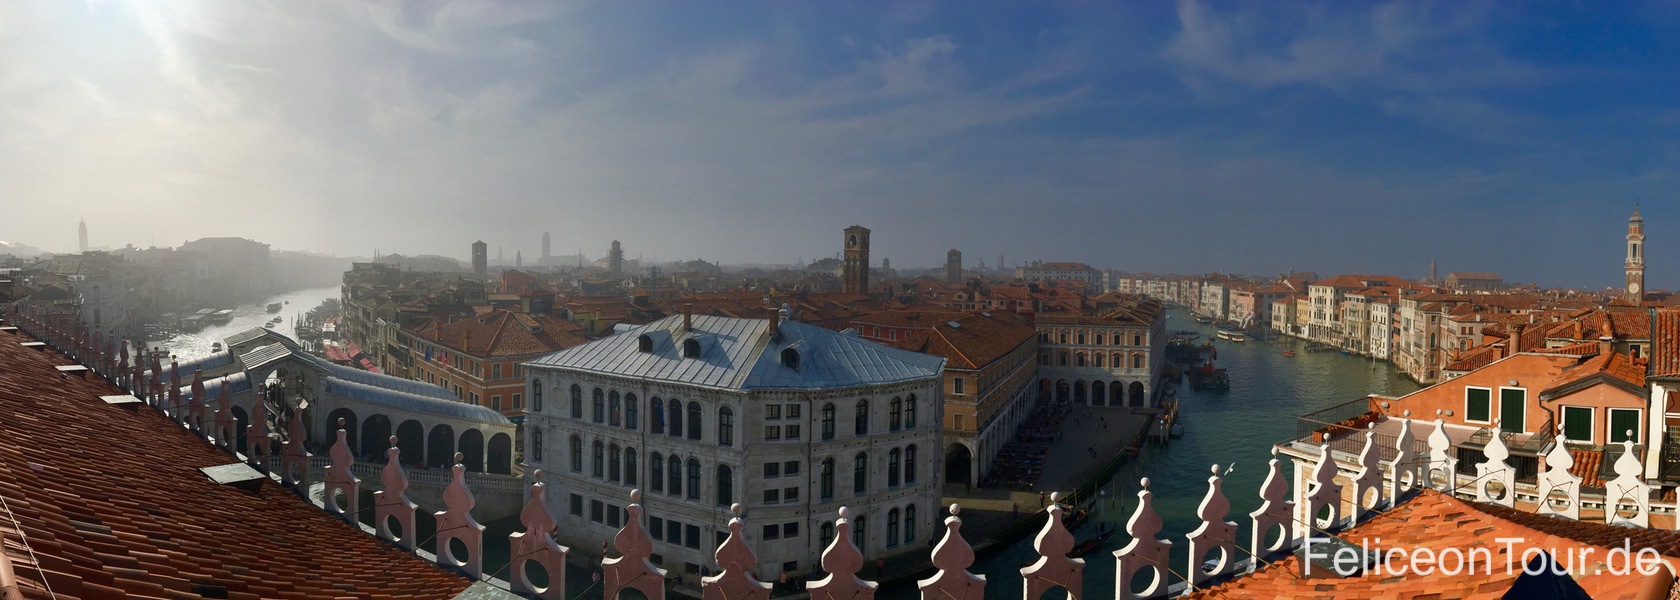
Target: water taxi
[1231, 336]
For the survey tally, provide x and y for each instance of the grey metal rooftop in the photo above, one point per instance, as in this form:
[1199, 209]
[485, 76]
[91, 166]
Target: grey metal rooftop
[740, 354]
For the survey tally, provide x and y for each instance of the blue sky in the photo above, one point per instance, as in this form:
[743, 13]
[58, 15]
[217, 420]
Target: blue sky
[1180, 137]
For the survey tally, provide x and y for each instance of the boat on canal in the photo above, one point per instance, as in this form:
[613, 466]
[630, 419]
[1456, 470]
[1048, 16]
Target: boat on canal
[1289, 353]
[1231, 336]
[1093, 544]
[274, 308]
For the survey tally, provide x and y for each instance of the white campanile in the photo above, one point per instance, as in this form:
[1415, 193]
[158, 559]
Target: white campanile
[1635, 257]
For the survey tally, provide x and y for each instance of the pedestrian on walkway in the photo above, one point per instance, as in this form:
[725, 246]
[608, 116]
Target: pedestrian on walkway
[1015, 511]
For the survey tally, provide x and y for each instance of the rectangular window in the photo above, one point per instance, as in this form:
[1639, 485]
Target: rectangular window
[1512, 405]
[790, 530]
[957, 385]
[1624, 425]
[597, 511]
[656, 528]
[793, 411]
[772, 496]
[772, 432]
[791, 467]
[577, 505]
[612, 516]
[772, 532]
[519, 401]
[496, 402]
[792, 432]
[693, 536]
[1578, 424]
[772, 470]
[772, 412]
[473, 396]
[673, 532]
[496, 371]
[1478, 405]
[791, 494]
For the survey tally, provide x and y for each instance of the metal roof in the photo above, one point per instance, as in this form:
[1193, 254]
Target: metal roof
[740, 354]
[408, 386]
[258, 333]
[400, 400]
[238, 379]
[210, 362]
[264, 355]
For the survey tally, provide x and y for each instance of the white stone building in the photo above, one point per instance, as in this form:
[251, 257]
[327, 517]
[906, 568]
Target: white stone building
[790, 420]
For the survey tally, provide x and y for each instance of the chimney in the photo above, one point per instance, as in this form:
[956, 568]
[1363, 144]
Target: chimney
[776, 322]
[1516, 339]
[688, 316]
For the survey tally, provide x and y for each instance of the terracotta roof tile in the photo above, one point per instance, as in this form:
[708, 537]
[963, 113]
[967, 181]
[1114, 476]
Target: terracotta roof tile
[976, 341]
[1665, 349]
[114, 505]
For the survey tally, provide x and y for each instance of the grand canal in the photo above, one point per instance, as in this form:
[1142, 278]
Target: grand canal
[1268, 391]
[245, 316]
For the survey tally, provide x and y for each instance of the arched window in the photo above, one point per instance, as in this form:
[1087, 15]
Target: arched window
[1097, 359]
[910, 464]
[1061, 358]
[691, 348]
[536, 395]
[828, 421]
[726, 426]
[1137, 361]
[614, 417]
[1079, 338]
[861, 427]
[892, 528]
[673, 478]
[1097, 340]
[657, 409]
[910, 524]
[910, 412]
[826, 482]
[644, 343]
[725, 486]
[693, 479]
[860, 473]
[1137, 339]
[895, 412]
[632, 411]
[1119, 360]
[1079, 359]
[598, 412]
[598, 460]
[694, 420]
[675, 410]
[536, 445]
[577, 402]
[629, 466]
[656, 471]
[893, 457]
[577, 454]
[615, 458]
[790, 358]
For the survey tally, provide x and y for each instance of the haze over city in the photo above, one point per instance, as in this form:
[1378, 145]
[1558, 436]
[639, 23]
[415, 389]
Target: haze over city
[1185, 137]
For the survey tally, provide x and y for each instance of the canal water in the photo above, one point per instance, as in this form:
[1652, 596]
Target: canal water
[1268, 391]
[293, 305]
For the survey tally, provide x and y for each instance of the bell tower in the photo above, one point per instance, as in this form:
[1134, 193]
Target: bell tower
[854, 271]
[1635, 257]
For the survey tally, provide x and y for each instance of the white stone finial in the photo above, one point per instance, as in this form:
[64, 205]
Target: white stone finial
[633, 567]
[1053, 568]
[842, 560]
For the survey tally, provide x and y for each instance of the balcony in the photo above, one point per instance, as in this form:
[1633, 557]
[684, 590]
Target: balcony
[1343, 426]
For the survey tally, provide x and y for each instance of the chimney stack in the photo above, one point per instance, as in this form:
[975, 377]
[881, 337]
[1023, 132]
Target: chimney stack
[1516, 338]
[688, 316]
[776, 322]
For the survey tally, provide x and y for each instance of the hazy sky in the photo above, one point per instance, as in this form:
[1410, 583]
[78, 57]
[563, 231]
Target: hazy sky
[1338, 137]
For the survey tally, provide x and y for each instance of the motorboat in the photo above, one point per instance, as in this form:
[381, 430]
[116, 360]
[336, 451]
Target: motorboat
[1289, 353]
[1231, 336]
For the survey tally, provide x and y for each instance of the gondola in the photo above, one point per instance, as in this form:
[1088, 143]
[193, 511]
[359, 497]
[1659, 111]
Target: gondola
[1096, 543]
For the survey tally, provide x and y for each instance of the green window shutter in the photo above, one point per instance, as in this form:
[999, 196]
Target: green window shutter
[1477, 405]
[1512, 404]
[1577, 424]
[1622, 421]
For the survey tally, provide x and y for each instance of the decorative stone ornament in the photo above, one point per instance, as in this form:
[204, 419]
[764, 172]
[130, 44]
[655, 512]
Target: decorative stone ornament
[1145, 551]
[339, 479]
[259, 448]
[1053, 568]
[1443, 466]
[1627, 498]
[392, 502]
[225, 426]
[1406, 467]
[195, 404]
[1275, 512]
[174, 407]
[736, 561]
[842, 561]
[1324, 496]
[1560, 490]
[536, 544]
[1368, 481]
[952, 557]
[456, 523]
[294, 457]
[1496, 480]
[633, 567]
[1214, 534]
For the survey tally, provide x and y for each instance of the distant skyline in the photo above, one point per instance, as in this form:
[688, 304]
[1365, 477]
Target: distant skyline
[1187, 137]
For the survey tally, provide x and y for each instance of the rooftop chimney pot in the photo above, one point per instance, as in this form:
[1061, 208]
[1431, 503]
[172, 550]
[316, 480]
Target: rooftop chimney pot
[688, 316]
